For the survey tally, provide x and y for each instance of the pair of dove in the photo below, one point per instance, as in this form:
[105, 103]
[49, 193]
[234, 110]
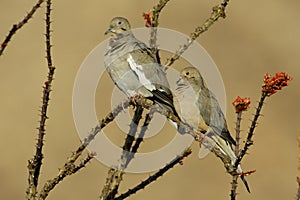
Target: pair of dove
[135, 71]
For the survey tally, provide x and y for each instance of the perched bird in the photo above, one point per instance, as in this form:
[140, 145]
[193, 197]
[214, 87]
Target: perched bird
[133, 67]
[197, 106]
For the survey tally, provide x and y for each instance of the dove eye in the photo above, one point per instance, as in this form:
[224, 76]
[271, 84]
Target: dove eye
[119, 23]
[187, 73]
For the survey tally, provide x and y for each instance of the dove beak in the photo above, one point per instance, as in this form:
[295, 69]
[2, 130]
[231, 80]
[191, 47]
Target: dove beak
[108, 31]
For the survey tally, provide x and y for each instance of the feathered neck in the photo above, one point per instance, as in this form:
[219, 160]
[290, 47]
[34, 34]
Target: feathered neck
[120, 38]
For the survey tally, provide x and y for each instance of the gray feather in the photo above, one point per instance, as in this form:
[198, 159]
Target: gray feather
[212, 114]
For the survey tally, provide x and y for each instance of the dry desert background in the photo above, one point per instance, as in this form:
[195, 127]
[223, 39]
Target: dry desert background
[256, 37]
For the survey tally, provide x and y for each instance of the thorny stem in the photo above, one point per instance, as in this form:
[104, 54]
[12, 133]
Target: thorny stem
[114, 177]
[16, 27]
[156, 11]
[67, 170]
[234, 182]
[133, 129]
[69, 167]
[238, 131]
[217, 12]
[154, 24]
[155, 176]
[84, 162]
[34, 165]
[116, 173]
[249, 140]
[139, 140]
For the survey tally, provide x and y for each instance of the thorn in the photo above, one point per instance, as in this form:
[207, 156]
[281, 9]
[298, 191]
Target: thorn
[93, 154]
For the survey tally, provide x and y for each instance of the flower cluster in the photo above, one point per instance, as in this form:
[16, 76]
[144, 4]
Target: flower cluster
[241, 104]
[148, 18]
[274, 83]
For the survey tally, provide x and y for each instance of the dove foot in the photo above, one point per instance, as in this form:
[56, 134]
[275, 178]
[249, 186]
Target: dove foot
[135, 99]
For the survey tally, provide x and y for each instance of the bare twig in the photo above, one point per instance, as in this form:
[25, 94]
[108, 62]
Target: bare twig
[83, 163]
[234, 182]
[34, 165]
[108, 191]
[19, 25]
[114, 177]
[114, 174]
[249, 140]
[139, 140]
[132, 131]
[156, 12]
[67, 170]
[155, 176]
[238, 131]
[217, 12]
[154, 24]
[69, 166]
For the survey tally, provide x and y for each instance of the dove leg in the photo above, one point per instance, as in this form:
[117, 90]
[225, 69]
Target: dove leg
[135, 98]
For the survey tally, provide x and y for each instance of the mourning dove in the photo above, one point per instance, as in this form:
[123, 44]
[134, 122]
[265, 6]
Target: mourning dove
[133, 68]
[197, 106]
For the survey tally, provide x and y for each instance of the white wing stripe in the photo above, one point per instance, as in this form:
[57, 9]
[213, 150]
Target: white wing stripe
[138, 69]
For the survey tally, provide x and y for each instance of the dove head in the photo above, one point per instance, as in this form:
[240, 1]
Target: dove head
[193, 77]
[118, 25]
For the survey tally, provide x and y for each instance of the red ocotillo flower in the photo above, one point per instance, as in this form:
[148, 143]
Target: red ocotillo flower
[274, 83]
[241, 104]
[148, 18]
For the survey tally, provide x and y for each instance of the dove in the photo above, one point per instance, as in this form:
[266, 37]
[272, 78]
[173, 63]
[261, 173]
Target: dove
[197, 106]
[133, 68]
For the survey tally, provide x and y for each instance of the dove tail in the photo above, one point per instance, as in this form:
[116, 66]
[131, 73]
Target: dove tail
[245, 182]
[232, 155]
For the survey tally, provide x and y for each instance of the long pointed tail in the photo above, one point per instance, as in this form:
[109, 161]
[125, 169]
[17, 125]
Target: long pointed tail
[245, 182]
[227, 149]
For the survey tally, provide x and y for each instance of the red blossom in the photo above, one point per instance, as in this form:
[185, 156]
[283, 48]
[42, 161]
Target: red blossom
[241, 104]
[148, 18]
[274, 83]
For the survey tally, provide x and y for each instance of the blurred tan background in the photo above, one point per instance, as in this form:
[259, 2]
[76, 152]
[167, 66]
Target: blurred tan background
[255, 38]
